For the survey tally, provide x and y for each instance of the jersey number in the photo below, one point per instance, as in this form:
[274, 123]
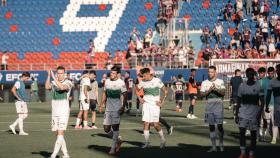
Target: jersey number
[104, 26]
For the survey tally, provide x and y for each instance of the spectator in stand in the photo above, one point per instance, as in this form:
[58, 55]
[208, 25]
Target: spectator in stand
[148, 38]
[205, 35]
[182, 58]
[248, 7]
[246, 36]
[4, 3]
[271, 48]
[263, 49]
[273, 22]
[277, 56]
[134, 35]
[257, 39]
[239, 5]
[264, 27]
[260, 20]
[228, 11]
[266, 8]
[5, 57]
[91, 51]
[256, 9]
[236, 38]
[206, 55]
[238, 18]
[161, 24]
[218, 31]
[242, 54]
[277, 31]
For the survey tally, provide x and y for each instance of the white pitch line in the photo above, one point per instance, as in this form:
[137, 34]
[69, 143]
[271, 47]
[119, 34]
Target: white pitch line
[129, 128]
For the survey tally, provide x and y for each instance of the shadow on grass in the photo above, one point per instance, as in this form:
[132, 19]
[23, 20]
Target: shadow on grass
[44, 154]
[185, 150]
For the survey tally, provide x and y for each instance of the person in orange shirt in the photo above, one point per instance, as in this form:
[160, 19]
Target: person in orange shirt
[192, 90]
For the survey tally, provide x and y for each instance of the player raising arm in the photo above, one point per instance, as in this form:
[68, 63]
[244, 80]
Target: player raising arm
[60, 87]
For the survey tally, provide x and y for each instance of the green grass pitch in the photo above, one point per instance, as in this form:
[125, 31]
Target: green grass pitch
[190, 138]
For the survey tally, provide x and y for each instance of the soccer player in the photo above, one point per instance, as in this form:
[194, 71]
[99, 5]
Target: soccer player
[274, 88]
[235, 83]
[114, 89]
[138, 92]
[129, 86]
[93, 97]
[84, 101]
[179, 87]
[266, 117]
[250, 103]
[151, 104]
[61, 88]
[214, 90]
[192, 89]
[21, 98]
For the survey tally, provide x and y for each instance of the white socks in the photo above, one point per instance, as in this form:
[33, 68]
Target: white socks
[57, 145]
[213, 139]
[60, 143]
[15, 123]
[20, 125]
[78, 122]
[274, 132]
[161, 135]
[146, 136]
[85, 123]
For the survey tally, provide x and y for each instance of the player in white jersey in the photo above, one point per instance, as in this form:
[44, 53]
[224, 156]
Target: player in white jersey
[214, 90]
[61, 88]
[114, 89]
[84, 101]
[151, 104]
[21, 98]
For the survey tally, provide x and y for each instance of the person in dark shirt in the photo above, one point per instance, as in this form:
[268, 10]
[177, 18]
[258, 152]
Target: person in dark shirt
[129, 86]
[192, 90]
[179, 92]
[274, 89]
[250, 103]
[234, 83]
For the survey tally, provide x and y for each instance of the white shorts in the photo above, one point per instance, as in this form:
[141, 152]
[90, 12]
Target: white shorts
[84, 105]
[21, 107]
[59, 123]
[150, 113]
[111, 118]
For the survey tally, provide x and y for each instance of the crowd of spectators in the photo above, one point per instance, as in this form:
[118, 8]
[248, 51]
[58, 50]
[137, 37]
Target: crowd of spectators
[247, 42]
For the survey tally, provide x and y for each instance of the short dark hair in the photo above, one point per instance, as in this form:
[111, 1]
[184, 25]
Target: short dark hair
[25, 74]
[180, 76]
[270, 69]
[261, 69]
[237, 70]
[250, 71]
[213, 67]
[127, 72]
[145, 70]
[192, 70]
[92, 72]
[60, 68]
[116, 68]
[85, 72]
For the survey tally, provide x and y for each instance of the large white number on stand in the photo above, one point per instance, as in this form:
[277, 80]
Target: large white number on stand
[104, 26]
